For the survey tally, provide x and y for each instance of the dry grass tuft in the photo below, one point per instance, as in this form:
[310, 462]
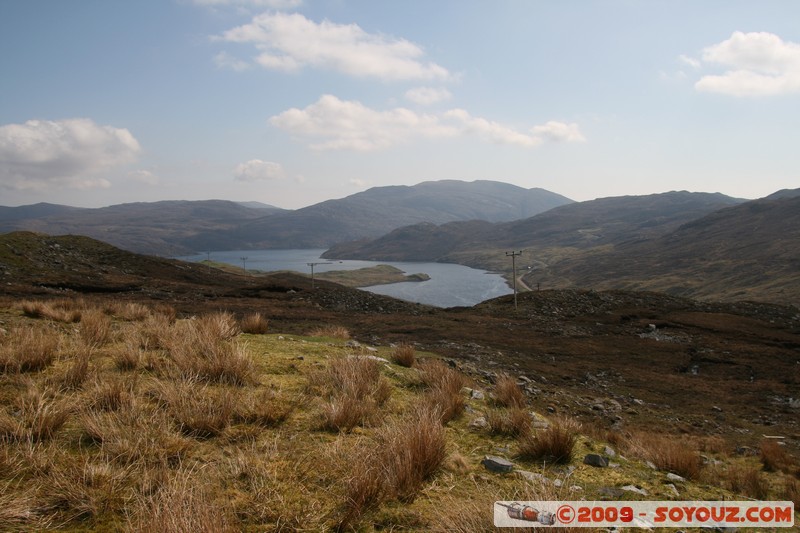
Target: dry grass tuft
[255, 324]
[67, 311]
[404, 355]
[35, 416]
[203, 349]
[331, 331]
[95, 327]
[507, 393]
[668, 453]
[774, 457]
[556, 444]
[185, 503]
[444, 386]
[218, 326]
[28, 350]
[128, 357]
[200, 411]
[791, 491]
[78, 371]
[264, 408]
[511, 422]
[355, 390]
[413, 450]
[743, 479]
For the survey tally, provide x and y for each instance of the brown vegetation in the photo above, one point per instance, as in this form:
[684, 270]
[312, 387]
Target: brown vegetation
[555, 444]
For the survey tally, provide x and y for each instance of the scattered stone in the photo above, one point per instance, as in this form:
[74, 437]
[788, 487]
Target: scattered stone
[675, 477]
[651, 465]
[673, 489]
[533, 476]
[635, 489]
[716, 408]
[477, 395]
[479, 423]
[496, 464]
[609, 452]
[557, 483]
[614, 465]
[595, 460]
[576, 488]
[611, 492]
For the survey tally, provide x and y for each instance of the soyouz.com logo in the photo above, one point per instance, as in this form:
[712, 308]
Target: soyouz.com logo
[647, 514]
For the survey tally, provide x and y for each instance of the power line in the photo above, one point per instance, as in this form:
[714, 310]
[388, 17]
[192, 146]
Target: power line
[513, 256]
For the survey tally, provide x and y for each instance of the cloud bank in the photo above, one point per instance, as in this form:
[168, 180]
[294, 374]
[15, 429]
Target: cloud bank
[334, 124]
[258, 170]
[759, 64]
[40, 154]
[291, 42]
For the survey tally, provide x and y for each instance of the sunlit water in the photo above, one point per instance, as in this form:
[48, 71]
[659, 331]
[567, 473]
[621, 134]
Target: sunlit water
[450, 285]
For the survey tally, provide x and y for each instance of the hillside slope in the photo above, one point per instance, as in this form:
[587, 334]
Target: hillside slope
[381, 209]
[750, 251]
[161, 228]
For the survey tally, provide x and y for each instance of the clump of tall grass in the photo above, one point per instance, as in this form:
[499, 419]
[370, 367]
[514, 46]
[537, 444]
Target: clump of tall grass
[406, 454]
[443, 386]
[332, 331]
[254, 323]
[199, 410]
[507, 393]
[95, 327]
[28, 349]
[204, 349]
[354, 390]
[667, 453]
[404, 355]
[35, 416]
[185, 502]
[556, 444]
[64, 310]
[774, 457]
[511, 422]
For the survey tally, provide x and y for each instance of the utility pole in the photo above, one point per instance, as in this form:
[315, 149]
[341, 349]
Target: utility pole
[244, 264]
[312, 265]
[513, 256]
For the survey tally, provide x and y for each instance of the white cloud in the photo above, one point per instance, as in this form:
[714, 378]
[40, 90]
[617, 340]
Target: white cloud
[273, 4]
[493, 131]
[759, 63]
[144, 176]
[331, 123]
[290, 41]
[257, 170]
[559, 132]
[428, 95]
[351, 125]
[358, 182]
[68, 153]
[690, 61]
[225, 60]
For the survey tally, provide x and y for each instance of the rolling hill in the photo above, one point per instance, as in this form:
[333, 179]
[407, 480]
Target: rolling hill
[147, 227]
[180, 227]
[697, 245]
[379, 210]
[594, 223]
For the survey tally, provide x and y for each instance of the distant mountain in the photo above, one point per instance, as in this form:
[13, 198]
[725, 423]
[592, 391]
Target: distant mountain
[598, 222]
[35, 211]
[381, 209]
[750, 251]
[155, 228]
[181, 227]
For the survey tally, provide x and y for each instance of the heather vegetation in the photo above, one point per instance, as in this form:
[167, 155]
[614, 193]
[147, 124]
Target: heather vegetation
[122, 416]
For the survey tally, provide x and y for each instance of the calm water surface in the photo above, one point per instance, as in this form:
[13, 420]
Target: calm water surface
[450, 285]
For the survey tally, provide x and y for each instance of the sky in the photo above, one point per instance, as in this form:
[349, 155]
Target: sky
[293, 102]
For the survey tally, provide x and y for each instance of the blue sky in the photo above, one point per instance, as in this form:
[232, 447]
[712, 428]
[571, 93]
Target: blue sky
[291, 102]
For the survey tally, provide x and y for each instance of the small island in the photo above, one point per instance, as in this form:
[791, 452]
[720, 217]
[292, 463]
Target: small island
[366, 277]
